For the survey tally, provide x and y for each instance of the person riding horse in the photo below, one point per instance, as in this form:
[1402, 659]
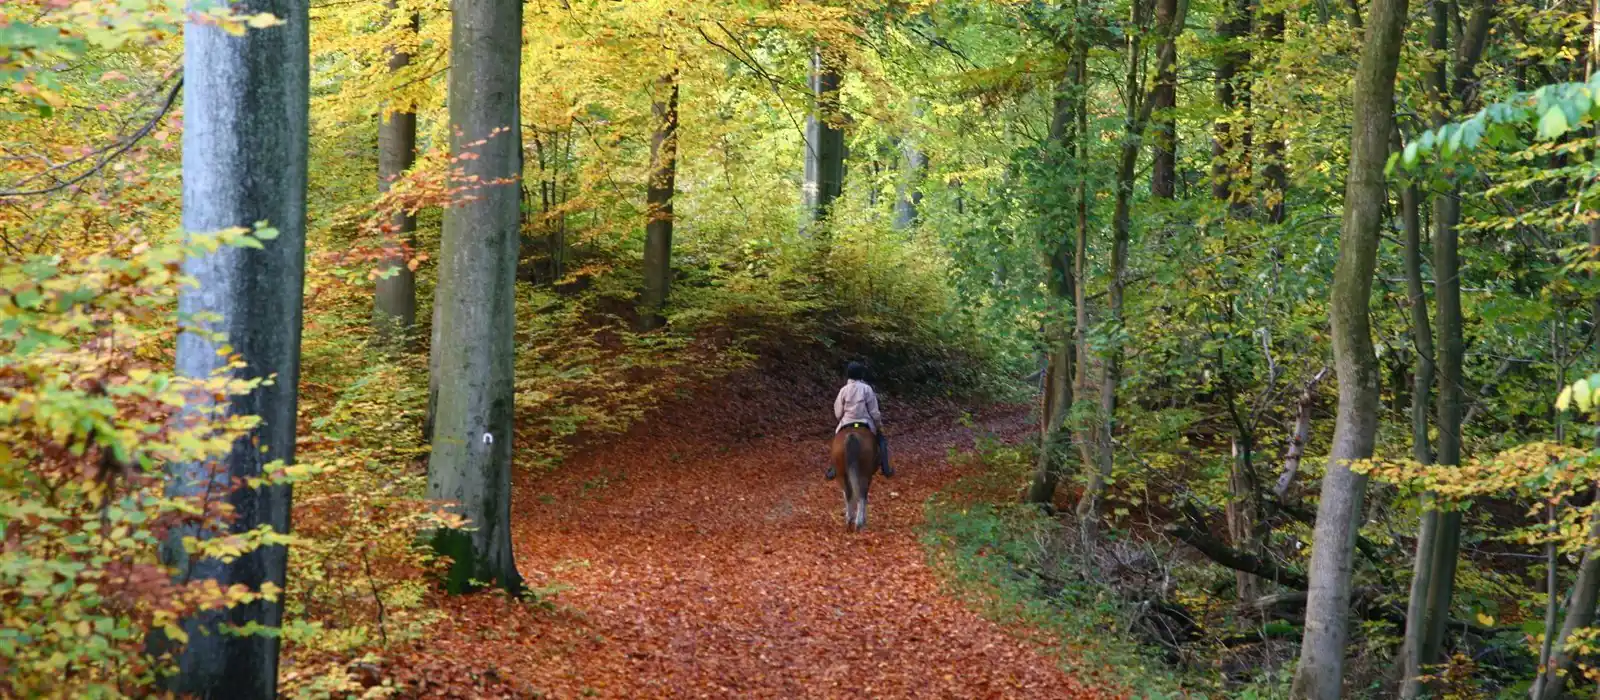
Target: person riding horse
[857, 404]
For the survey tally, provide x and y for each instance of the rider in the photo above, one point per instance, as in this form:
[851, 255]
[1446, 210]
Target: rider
[857, 403]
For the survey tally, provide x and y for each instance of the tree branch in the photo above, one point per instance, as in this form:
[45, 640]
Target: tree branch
[107, 154]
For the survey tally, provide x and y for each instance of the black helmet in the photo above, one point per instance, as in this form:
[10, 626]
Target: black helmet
[855, 370]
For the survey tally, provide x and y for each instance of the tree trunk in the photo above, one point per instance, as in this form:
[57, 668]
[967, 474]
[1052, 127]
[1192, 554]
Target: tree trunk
[246, 117]
[395, 293]
[1274, 171]
[1442, 543]
[1058, 394]
[471, 461]
[1138, 110]
[1232, 27]
[1580, 614]
[824, 144]
[1586, 589]
[1164, 98]
[658, 204]
[1319, 674]
[1422, 338]
[1058, 401]
[908, 192]
[1241, 512]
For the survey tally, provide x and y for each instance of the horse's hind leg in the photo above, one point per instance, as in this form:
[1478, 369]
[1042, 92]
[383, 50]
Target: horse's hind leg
[861, 500]
[849, 502]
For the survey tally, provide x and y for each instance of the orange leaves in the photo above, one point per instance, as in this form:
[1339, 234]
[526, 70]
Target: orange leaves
[703, 562]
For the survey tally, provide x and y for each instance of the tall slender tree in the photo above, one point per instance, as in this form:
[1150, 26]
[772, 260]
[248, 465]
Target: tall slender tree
[1058, 380]
[1229, 132]
[1438, 546]
[244, 161]
[913, 164]
[824, 157]
[1163, 100]
[395, 294]
[1319, 674]
[1274, 171]
[658, 203]
[1137, 110]
[470, 465]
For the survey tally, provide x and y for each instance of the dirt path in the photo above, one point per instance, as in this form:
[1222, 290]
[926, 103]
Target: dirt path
[698, 569]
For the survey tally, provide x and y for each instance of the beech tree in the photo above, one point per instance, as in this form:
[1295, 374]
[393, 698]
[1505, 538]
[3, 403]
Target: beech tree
[395, 294]
[658, 203]
[244, 162]
[475, 303]
[824, 157]
[1319, 674]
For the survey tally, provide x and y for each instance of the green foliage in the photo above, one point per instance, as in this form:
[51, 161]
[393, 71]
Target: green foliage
[88, 421]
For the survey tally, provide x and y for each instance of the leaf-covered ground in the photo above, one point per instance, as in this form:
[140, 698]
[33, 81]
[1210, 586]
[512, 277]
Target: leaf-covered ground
[694, 559]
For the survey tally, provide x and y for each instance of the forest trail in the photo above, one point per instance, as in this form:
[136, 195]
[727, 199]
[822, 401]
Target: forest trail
[702, 565]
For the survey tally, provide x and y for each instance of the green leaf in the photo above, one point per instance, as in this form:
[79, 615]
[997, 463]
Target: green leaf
[1553, 124]
[1410, 156]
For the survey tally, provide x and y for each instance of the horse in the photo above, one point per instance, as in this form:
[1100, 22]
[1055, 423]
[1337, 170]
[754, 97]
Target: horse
[855, 458]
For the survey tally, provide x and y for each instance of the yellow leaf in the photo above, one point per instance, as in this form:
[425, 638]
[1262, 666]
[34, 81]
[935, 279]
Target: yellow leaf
[1485, 620]
[263, 20]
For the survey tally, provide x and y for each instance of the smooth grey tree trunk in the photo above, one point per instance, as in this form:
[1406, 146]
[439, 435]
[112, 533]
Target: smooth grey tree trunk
[475, 303]
[1422, 387]
[913, 163]
[1440, 538]
[395, 293]
[824, 164]
[1319, 674]
[658, 204]
[244, 161]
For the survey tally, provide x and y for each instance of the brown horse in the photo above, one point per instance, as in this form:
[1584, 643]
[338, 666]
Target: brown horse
[855, 458]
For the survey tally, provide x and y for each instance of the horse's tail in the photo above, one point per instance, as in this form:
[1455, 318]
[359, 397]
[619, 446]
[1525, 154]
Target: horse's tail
[852, 453]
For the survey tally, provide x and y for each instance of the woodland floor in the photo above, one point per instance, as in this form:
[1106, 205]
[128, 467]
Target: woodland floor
[695, 560]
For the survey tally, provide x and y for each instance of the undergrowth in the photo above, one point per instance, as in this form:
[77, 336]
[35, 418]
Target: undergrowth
[1016, 566]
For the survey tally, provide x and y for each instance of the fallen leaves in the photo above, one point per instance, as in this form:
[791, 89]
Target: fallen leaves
[716, 567]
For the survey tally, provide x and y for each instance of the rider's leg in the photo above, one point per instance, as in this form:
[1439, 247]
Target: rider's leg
[883, 456]
[830, 474]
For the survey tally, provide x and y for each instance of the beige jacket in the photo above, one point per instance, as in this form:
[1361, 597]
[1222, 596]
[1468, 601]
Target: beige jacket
[857, 403]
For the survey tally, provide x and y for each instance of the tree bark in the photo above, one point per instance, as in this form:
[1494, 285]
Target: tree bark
[1232, 27]
[1586, 589]
[1058, 401]
[1058, 384]
[246, 119]
[658, 204]
[908, 191]
[1297, 442]
[1274, 170]
[395, 293]
[1319, 674]
[1422, 339]
[1164, 98]
[824, 164]
[1439, 546]
[470, 465]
